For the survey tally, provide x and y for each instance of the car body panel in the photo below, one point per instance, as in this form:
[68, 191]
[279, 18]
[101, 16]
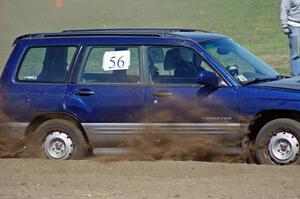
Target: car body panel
[114, 111]
[256, 99]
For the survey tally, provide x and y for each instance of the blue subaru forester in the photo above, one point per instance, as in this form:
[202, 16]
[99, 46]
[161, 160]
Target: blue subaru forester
[69, 92]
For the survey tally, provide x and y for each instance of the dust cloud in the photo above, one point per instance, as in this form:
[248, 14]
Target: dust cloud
[155, 143]
[10, 147]
[158, 143]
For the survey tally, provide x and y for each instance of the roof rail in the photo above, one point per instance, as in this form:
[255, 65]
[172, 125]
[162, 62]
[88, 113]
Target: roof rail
[31, 35]
[83, 34]
[149, 32]
[137, 30]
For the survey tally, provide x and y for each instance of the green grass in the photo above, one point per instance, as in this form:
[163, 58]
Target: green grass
[283, 71]
[253, 23]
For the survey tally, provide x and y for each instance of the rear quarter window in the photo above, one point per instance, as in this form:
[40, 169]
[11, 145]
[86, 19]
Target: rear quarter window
[46, 64]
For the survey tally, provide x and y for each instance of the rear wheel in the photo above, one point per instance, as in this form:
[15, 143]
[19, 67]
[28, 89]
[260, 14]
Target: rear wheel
[57, 139]
[278, 142]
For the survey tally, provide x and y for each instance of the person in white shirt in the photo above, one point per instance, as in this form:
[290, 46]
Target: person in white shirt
[290, 23]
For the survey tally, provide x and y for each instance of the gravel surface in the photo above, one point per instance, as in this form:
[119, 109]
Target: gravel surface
[29, 178]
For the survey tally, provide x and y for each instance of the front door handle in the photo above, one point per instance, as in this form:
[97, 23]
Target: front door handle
[84, 92]
[162, 93]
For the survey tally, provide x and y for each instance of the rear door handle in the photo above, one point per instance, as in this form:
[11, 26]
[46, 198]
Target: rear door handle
[162, 94]
[84, 92]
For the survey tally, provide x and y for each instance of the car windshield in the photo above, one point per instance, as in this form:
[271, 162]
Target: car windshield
[240, 63]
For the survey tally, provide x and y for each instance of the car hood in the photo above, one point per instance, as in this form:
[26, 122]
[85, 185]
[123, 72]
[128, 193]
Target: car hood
[287, 83]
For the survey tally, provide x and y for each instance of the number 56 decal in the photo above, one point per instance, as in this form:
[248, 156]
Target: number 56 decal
[116, 60]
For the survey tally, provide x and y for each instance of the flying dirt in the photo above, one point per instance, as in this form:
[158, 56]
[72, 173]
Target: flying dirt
[153, 142]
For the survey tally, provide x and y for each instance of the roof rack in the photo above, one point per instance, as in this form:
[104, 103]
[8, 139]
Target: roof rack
[148, 32]
[137, 30]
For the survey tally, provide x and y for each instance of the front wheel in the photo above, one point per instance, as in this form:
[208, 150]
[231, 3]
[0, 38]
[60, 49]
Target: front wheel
[58, 139]
[278, 142]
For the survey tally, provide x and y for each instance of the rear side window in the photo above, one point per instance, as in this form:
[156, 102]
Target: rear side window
[46, 64]
[110, 64]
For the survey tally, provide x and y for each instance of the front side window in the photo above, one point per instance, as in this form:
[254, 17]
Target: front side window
[174, 65]
[110, 64]
[46, 64]
[239, 62]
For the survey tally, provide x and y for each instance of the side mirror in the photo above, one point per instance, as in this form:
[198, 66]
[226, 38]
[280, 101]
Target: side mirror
[208, 79]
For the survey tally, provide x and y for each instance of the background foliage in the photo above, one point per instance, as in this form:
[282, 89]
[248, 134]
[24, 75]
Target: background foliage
[253, 23]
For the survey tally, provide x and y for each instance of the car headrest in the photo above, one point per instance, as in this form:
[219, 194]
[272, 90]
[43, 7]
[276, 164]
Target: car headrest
[171, 59]
[156, 54]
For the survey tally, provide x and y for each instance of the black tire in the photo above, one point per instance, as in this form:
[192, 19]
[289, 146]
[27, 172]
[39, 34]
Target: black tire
[278, 142]
[36, 142]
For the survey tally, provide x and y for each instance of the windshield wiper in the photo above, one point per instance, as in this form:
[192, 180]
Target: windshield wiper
[259, 79]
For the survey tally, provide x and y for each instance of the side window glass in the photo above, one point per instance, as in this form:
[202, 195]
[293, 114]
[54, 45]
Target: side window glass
[46, 64]
[174, 65]
[118, 64]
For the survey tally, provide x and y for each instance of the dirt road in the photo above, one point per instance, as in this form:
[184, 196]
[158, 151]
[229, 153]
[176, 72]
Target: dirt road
[21, 178]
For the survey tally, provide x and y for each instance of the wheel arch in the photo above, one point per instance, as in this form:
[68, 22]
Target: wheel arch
[263, 117]
[38, 120]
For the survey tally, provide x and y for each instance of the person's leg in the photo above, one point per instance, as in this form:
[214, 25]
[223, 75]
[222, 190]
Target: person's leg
[295, 50]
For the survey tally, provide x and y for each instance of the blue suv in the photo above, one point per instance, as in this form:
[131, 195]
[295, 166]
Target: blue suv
[69, 92]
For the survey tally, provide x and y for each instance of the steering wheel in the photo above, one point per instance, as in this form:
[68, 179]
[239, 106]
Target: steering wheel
[233, 69]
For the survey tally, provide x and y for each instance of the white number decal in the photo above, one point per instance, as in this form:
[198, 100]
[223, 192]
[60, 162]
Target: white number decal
[116, 60]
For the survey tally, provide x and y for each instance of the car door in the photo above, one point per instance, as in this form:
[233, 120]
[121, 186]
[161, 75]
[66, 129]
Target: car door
[107, 93]
[176, 102]
[40, 82]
